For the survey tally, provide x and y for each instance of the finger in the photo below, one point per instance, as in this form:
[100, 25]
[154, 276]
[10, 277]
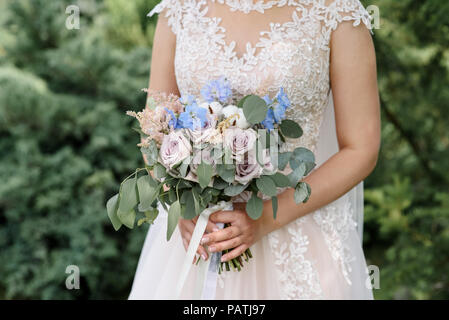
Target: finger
[202, 252]
[227, 244]
[234, 253]
[223, 216]
[221, 235]
[211, 227]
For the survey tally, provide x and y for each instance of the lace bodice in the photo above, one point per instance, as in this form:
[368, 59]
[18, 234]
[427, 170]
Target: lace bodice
[293, 54]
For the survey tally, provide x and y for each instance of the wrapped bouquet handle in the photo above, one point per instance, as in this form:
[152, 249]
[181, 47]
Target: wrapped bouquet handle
[198, 232]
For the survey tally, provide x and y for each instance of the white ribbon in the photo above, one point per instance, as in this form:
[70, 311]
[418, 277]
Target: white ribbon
[198, 232]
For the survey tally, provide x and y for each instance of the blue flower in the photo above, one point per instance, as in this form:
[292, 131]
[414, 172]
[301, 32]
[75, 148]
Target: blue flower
[219, 89]
[187, 99]
[194, 117]
[282, 98]
[268, 123]
[267, 100]
[279, 112]
[174, 121]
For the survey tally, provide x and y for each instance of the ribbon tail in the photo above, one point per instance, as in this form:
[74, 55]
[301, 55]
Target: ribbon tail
[198, 232]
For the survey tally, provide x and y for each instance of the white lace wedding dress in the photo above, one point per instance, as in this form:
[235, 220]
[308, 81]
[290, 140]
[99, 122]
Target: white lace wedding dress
[318, 256]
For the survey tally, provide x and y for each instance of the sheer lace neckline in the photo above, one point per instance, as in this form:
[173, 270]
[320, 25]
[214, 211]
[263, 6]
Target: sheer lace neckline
[246, 6]
[266, 38]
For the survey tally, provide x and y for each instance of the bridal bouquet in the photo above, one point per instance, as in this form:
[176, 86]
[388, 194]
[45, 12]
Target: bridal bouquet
[205, 151]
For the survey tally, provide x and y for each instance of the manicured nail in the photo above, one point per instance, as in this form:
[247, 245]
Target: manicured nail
[204, 240]
[223, 259]
[215, 229]
[212, 249]
[204, 257]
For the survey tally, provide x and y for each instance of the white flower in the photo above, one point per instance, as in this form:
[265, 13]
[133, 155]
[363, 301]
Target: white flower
[239, 120]
[230, 110]
[214, 108]
[239, 141]
[174, 149]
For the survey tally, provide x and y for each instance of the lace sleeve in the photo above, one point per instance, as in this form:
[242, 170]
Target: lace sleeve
[338, 11]
[172, 9]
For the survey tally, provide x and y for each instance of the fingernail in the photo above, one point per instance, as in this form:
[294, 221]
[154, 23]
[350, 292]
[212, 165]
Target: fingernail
[204, 240]
[223, 259]
[204, 257]
[212, 249]
[215, 229]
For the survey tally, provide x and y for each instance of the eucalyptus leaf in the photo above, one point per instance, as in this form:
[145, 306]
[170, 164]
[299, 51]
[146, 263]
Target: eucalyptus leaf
[234, 189]
[183, 168]
[302, 192]
[127, 197]
[159, 171]
[220, 184]
[196, 202]
[188, 210]
[226, 174]
[281, 180]
[204, 173]
[148, 192]
[150, 153]
[283, 159]
[266, 185]
[303, 155]
[111, 207]
[274, 205]
[172, 195]
[240, 103]
[255, 109]
[174, 213]
[127, 218]
[290, 129]
[151, 215]
[254, 207]
[297, 175]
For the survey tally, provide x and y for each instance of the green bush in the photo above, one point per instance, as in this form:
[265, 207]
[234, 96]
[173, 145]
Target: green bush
[64, 144]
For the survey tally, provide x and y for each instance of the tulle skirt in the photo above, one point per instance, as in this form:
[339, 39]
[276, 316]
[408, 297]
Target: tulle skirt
[318, 256]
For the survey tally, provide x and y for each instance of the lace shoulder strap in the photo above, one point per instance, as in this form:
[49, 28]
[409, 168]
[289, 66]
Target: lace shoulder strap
[338, 11]
[172, 9]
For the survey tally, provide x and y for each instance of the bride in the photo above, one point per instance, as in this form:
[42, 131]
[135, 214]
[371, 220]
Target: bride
[321, 53]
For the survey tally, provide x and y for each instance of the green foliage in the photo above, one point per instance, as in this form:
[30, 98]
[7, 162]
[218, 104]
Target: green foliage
[406, 212]
[64, 146]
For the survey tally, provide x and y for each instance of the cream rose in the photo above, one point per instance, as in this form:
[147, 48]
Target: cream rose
[205, 134]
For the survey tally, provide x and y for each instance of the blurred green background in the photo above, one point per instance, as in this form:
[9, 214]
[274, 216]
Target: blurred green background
[65, 144]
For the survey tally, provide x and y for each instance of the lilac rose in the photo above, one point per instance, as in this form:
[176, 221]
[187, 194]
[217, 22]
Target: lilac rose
[174, 149]
[239, 141]
[247, 169]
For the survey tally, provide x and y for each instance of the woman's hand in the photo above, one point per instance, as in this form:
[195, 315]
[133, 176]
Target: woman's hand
[186, 228]
[240, 235]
